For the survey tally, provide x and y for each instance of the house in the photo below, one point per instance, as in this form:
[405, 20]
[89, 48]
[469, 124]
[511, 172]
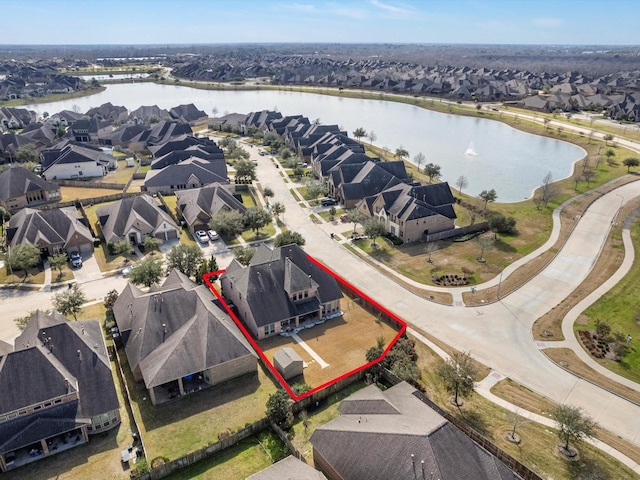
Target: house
[280, 290]
[134, 218]
[260, 120]
[52, 231]
[288, 363]
[396, 434]
[159, 145]
[69, 160]
[207, 151]
[20, 188]
[190, 173]
[288, 468]
[56, 389]
[148, 114]
[177, 341]
[198, 205]
[411, 212]
[188, 114]
[351, 183]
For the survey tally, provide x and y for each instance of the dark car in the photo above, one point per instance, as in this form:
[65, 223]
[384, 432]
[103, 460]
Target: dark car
[327, 202]
[76, 260]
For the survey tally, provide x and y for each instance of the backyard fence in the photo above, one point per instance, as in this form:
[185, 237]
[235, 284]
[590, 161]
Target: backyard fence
[89, 184]
[456, 232]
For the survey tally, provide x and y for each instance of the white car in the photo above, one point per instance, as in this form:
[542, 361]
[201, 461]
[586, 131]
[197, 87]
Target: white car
[213, 236]
[202, 237]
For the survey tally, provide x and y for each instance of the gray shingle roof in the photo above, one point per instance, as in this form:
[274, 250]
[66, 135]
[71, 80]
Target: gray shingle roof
[198, 205]
[141, 213]
[17, 181]
[289, 468]
[176, 330]
[374, 441]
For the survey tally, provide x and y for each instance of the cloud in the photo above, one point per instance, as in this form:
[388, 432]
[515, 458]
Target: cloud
[393, 9]
[346, 11]
[548, 22]
[303, 7]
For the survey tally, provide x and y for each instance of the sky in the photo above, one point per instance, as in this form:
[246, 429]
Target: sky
[554, 22]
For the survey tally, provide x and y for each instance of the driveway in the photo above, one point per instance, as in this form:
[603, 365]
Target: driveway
[89, 270]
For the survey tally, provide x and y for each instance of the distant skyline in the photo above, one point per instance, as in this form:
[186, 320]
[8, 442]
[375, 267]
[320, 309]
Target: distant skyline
[557, 22]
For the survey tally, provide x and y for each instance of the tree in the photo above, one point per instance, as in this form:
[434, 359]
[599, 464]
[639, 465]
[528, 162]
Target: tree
[488, 196]
[631, 162]
[151, 243]
[610, 153]
[60, 131]
[57, 260]
[287, 238]
[315, 188]
[278, 209]
[355, 216]
[110, 299]
[431, 248]
[70, 301]
[432, 171]
[359, 132]
[461, 183]
[373, 228]
[607, 138]
[186, 258]
[279, 409]
[245, 171]
[402, 360]
[124, 248]
[244, 255]
[148, 272]
[498, 223]
[255, 218]
[207, 267]
[572, 425]
[457, 374]
[4, 214]
[332, 213]
[268, 193]
[26, 153]
[588, 175]
[227, 222]
[23, 257]
[372, 137]
[401, 153]
[548, 190]
[419, 159]
[485, 244]
[300, 388]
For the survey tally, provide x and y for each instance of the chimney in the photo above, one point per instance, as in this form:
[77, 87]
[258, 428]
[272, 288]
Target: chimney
[164, 332]
[79, 356]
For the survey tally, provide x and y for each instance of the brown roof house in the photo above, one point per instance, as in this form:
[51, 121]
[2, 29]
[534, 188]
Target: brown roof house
[280, 290]
[198, 205]
[20, 188]
[134, 218]
[52, 231]
[56, 389]
[178, 341]
[411, 212]
[395, 434]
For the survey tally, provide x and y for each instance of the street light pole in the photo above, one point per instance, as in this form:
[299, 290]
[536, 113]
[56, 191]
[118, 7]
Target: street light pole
[499, 283]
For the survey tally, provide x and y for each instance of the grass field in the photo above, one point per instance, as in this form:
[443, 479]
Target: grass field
[192, 422]
[69, 194]
[121, 175]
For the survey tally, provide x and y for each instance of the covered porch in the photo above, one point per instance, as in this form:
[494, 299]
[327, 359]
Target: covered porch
[178, 388]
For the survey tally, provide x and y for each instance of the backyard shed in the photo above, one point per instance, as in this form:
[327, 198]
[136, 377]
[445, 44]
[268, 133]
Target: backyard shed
[288, 362]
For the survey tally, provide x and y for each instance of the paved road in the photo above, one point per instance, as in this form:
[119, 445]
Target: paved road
[498, 335]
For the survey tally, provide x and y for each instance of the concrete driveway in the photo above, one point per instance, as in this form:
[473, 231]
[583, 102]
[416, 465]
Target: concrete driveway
[89, 270]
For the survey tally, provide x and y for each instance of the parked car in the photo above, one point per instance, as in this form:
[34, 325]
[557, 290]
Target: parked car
[327, 202]
[76, 260]
[127, 270]
[262, 153]
[213, 236]
[202, 237]
[344, 217]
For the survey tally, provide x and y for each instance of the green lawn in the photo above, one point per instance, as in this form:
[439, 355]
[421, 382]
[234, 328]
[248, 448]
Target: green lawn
[325, 215]
[173, 429]
[121, 175]
[235, 463]
[619, 308]
[265, 232]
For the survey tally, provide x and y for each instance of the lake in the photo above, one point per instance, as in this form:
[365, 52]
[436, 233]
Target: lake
[512, 162]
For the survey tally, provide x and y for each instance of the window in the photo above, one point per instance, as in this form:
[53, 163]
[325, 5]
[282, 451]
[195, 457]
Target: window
[306, 294]
[269, 329]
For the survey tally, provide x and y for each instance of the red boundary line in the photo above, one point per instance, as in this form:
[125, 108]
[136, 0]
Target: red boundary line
[254, 344]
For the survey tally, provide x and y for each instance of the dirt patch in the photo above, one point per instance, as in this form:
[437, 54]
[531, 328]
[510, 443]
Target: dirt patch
[341, 342]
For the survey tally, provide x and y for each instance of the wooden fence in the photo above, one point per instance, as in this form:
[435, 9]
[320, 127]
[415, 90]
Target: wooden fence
[89, 184]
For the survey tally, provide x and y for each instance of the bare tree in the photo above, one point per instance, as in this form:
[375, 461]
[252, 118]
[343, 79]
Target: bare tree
[548, 190]
[372, 137]
[419, 159]
[430, 248]
[461, 183]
